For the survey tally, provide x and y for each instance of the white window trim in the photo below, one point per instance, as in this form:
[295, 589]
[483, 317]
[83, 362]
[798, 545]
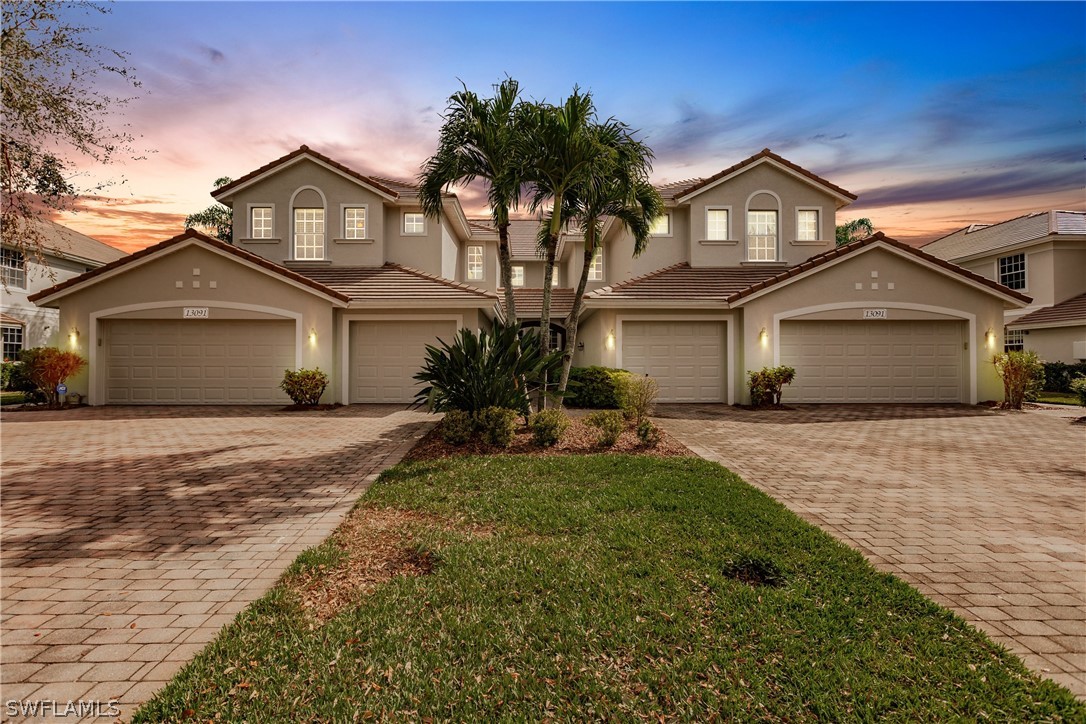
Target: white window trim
[22, 339]
[482, 263]
[746, 227]
[1025, 269]
[294, 233]
[670, 226]
[249, 221]
[523, 276]
[820, 236]
[343, 222]
[728, 209]
[597, 256]
[292, 241]
[22, 269]
[403, 224]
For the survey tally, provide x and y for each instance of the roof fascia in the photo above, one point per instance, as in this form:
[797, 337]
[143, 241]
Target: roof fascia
[842, 200]
[229, 195]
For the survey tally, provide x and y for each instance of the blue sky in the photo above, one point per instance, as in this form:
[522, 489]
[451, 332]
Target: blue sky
[936, 114]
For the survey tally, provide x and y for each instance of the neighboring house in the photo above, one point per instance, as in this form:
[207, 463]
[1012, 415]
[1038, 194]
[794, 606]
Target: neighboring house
[1042, 254]
[338, 270]
[65, 254]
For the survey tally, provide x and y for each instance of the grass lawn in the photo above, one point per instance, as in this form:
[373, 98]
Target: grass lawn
[1058, 398]
[11, 398]
[602, 586]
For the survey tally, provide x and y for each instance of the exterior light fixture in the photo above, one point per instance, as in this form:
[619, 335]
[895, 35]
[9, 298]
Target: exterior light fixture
[763, 336]
[73, 337]
[610, 341]
[313, 336]
[990, 338]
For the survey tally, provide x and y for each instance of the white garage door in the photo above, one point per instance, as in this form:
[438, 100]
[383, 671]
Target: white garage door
[385, 356]
[197, 362]
[685, 358]
[876, 361]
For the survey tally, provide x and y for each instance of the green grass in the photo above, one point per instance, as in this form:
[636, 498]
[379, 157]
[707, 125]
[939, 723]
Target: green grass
[11, 398]
[603, 592]
[1058, 398]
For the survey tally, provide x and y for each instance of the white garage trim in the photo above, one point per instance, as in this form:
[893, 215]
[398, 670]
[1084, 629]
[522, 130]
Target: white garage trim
[729, 340]
[971, 339]
[96, 393]
[345, 340]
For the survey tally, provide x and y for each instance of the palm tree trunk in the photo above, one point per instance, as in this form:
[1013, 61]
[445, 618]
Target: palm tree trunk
[574, 320]
[505, 261]
[545, 315]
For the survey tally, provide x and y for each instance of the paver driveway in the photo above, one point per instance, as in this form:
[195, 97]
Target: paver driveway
[131, 535]
[985, 512]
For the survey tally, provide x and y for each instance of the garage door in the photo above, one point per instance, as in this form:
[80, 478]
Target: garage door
[685, 358]
[877, 361]
[194, 362]
[385, 356]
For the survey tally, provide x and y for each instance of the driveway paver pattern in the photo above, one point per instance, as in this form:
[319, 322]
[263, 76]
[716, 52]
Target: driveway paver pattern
[132, 535]
[982, 511]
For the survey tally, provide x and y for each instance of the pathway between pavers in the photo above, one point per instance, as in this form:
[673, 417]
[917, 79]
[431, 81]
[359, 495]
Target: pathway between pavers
[130, 536]
[982, 511]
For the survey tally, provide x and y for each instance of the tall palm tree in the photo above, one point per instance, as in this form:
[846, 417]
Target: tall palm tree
[624, 194]
[481, 138]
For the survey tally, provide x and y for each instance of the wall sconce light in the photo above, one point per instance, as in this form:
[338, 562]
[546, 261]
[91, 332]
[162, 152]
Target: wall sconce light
[610, 341]
[580, 346]
[763, 336]
[73, 337]
[313, 336]
[990, 338]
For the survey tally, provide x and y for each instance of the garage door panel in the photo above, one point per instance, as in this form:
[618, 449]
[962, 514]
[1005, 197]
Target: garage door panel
[883, 361]
[686, 358]
[385, 357]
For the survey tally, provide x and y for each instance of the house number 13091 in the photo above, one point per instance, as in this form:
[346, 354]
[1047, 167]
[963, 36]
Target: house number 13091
[874, 314]
[196, 313]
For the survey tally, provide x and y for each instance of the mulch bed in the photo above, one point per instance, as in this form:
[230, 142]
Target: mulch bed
[310, 408]
[579, 439]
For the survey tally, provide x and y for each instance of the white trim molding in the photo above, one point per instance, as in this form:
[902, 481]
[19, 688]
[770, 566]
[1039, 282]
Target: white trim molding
[729, 232]
[819, 225]
[249, 221]
[343, 222]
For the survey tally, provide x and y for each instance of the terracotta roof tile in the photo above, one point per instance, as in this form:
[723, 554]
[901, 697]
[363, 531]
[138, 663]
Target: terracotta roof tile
[393, 283]
[681, 282]
[1070, 310]
[530, 302]
[189, 234]
[304, 151]
[8, 319]
[825, 257]
[764, 153]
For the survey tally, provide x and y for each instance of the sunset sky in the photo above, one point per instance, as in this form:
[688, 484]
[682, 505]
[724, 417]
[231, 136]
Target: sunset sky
[936, 114]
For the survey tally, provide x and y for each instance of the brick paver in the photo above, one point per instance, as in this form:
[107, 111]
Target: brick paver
[983, 511]
[132, 535]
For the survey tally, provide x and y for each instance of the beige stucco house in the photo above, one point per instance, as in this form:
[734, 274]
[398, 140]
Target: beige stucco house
[1042, 254]
[334, 269]
[65, 253]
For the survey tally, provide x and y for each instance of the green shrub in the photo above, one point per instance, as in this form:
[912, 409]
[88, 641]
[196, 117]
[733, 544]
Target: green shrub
[1060, 375]
[767, 384]
[46, 367]
[1023, 374]
[594, 388]
[500, 368]
[457, 427]
[548, 426]
[498, 425]
[7, 372]
[637, 395]
[610, 423]
[1078, 386]
[648, 433]
[304, 387]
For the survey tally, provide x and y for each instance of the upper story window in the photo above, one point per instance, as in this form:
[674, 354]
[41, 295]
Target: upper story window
[414, 222]
[1012, 271]
[518, 276]
[554, 278]
[475, 263]
[716, 224]
[354, 222]
[761, 236]
[13, 341]
[1014, 340]
[595, 271]
[661, 226]
[13, 268]
[260, 222]
[308, 234]
[807, 225]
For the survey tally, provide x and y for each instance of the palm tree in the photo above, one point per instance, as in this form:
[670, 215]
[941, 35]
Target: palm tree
[624, 194]
[853, 230]
[481, 138]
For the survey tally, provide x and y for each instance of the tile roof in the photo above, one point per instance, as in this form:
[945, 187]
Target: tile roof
[70, 244]
[764, 153]
[307, 151]
[393, 283]
[980, 238]
[530, 302]
[8, 319]
[828, 256]
[681, 282]
[188, 234]
[1070, 310]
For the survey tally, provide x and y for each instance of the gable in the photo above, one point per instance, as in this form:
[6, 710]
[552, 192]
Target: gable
[766, 158]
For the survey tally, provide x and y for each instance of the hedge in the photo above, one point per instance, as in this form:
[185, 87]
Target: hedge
[1059, 375]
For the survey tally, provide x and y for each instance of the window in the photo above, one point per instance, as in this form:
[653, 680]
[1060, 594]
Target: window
[475, 263]
[1014, 340]
[595, 270]
[807, 225]
[761, 236]
[13, 341]
[716, 224]
[518, 276]
[554, 278]
[260, 222]
[1012, 271]
[13, 267]
[308, 234]
[354, 223]
[414, 223]
[662, 226]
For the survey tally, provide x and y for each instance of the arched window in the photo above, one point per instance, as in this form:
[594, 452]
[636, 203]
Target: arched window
[763, 226]
[307, 207]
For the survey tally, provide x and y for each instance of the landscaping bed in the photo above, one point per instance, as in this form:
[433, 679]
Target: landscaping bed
[583, 587]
